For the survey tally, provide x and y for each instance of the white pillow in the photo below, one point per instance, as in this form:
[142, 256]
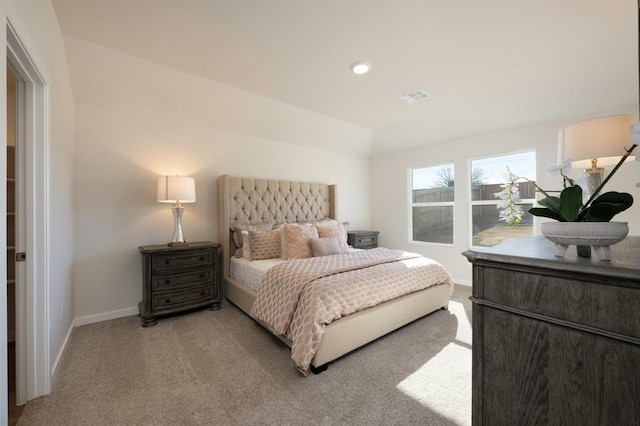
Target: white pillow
[283, 241]
[325, 246]
[246, 246]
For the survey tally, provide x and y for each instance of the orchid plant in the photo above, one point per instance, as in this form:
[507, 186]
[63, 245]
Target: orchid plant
[569, 206]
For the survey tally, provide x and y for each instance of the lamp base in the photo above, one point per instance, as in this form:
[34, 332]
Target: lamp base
[594, 179]
[177, 239]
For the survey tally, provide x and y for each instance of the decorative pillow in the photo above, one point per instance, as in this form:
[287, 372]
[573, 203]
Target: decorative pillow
[298, 236]
[237, 231]
[337, 230]
[325, 246]
[264, 244]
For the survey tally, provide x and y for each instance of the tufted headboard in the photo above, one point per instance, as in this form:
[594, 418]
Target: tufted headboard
[248, 200]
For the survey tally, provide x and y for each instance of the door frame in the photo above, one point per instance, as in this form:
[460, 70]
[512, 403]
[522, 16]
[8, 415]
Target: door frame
[33, 367]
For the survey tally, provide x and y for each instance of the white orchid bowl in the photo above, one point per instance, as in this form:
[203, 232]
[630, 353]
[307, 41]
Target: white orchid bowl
[599, 235]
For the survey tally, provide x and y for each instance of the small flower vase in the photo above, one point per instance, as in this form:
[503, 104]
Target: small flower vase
[584, 235]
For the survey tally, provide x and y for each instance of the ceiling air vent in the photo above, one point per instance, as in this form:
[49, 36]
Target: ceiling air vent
[415, 96]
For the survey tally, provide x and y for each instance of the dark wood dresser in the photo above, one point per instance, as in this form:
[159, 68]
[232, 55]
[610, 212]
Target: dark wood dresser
[555, 340]
[363, 239]
[177, 279]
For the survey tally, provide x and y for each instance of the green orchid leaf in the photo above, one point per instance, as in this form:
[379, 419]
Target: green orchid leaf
[570, 203]
[614, 197]
[607, 205]
[551, 202]
[545, 212]
[604, 212]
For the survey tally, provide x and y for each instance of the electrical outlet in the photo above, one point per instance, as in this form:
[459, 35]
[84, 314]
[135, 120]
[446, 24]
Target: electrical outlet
[61, 310]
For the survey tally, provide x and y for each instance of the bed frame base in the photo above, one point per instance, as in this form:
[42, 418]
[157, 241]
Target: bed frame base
[348, 333]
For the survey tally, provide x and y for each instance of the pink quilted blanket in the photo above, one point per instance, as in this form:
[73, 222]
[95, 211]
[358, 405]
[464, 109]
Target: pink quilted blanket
[299, 297]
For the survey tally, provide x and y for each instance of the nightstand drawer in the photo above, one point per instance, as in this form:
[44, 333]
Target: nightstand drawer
[177, 298]
[189, 279]
[366, 241]
[189, 260]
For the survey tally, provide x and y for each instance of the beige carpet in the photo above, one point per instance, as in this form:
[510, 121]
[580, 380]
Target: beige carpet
[221, 368]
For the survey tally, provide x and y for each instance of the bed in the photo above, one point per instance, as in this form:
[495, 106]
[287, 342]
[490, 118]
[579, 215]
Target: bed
[249, 201]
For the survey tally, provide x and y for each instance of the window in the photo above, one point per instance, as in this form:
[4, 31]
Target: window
[487, 176]
[432, 204]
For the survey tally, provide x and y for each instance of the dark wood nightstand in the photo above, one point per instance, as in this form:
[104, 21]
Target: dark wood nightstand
[363, 239]
[177, 279]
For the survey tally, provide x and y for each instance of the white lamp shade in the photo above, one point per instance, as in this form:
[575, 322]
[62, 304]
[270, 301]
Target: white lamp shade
[605, 139]
[176, 189]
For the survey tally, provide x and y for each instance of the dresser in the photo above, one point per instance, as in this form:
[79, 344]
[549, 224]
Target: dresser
[178, 279]
[555, 340]
[363, 239]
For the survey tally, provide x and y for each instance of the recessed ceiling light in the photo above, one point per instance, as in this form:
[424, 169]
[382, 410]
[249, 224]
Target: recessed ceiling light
[360, 67]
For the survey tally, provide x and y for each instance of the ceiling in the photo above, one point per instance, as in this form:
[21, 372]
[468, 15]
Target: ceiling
[487, 64]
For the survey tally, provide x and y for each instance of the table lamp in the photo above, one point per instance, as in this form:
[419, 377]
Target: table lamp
[176, 190]
[595, 143]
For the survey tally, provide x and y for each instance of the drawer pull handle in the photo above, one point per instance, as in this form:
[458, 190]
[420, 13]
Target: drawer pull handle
[167, 300]
[167, 281]
[201, 258]
[166, 262]
[202, 275]
[202, 293]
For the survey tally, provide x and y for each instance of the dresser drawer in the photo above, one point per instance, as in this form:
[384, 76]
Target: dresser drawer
[611, 307]
[167, 300]
[563, 299]
[188, 279]
[189, 260]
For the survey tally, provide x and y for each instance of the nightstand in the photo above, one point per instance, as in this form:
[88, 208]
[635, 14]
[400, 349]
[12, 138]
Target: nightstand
[177, 279]
[363, 239]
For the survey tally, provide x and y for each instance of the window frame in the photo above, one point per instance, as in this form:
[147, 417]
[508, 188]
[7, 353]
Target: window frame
[411, 204]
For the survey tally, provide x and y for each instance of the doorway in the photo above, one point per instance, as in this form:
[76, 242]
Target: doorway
[33, 367]
[13, 278]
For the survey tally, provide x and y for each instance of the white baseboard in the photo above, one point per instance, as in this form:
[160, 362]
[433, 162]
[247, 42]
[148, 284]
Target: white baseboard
[89, 320]
[105, 316]
[63, 348]
[465, 283]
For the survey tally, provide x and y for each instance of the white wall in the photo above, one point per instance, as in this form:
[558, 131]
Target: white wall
[136, 120]
[37, 27]
[389, 203]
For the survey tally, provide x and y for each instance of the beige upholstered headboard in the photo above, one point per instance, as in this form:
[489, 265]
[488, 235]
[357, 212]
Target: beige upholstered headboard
[248, 200]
